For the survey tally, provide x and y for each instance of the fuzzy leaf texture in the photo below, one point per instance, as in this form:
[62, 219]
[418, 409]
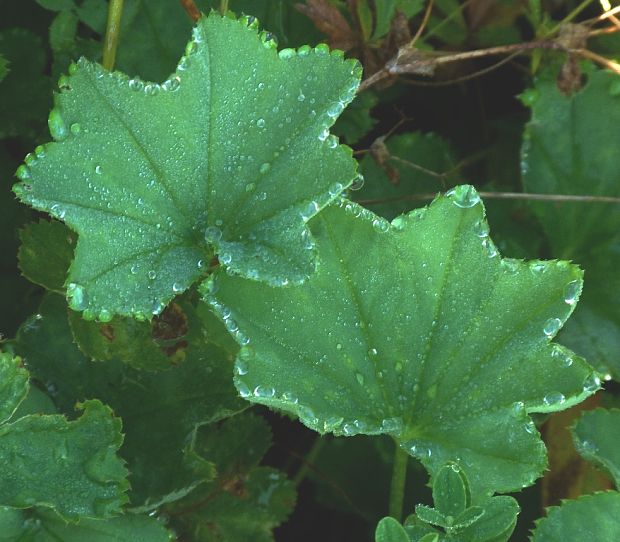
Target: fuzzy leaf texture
[417, 329]
[231, 154]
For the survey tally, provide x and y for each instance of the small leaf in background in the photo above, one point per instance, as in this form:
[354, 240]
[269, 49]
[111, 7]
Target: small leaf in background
[85, 479]
[40, 525]
[159, 410]
[596, 438]
[403, 166]
[389, 530]
[356, 121]
[385, 11]
[142, 243]
[57, 5]
[566, 150]
[245, 501]
[13, 385]
[591, 517]
[153, 345]
[330, 22]
[447, 349]
[45, 253]
[569, 475]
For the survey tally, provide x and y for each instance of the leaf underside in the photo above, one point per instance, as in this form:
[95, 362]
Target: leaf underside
[420, 330]
[231, 154]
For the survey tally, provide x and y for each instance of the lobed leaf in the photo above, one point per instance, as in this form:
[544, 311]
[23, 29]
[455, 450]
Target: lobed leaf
[596, 438]
[591, 517]
[159, 410]
[232, 153]
[70, 466]
[45, 253]
[420, 330]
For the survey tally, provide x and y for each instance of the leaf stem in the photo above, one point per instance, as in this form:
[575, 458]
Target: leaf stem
[397, 488]
[112, 32]
[192, 10]
[223, 6]
[310, 458]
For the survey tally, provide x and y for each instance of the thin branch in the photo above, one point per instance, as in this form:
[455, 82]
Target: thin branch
[427, 15]
[605, 62]
[191, 8]
[502, 195]
[112, 32]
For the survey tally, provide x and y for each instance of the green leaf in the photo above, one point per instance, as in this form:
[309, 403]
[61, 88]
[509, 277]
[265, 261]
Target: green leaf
[447, 348]
[45, 253]
[248, 509]
[63, 32]
[566, 150]
[496, 524]
[597, 439]
[154, 345]
[70, 466]
[246, 122]
[386, 9]
[450, 492]
[355, 121]
[24, 92]
[41, 526]
[591, 517]
[389, 182]
[390, 530]
[160, 410]
[13, 385]
[431, 515]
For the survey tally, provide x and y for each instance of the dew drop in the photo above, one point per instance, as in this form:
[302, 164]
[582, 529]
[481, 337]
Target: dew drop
[105, 316]
[464, 196]
[134, 269]
[243, 389]
[260, 123]
[98, 170]
[250, 187]
[537, 267]
[265, 167]
[399, 223]
[172, 84]
[287, 53]
[481, 228]
[23, 173]
[152, 275]
[324, 134]
[380, 225]
[177, 288]
[57, 126]
[510, 266]
[241, 367]
[572, 291]
[75, 128]
[357, 183]
[136, 84]
[264, 391]
[78, 299]
[213, 234]
[225, 258]
[301, 97]
[592, 383]
[201, 264]
[335, 189]
[290, 397]
[555, 398]
[151, 89]
[552, 326]
[360, 378]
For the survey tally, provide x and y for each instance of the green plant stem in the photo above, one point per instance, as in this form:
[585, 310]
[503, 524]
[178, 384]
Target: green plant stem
[223, 6]
[311, 456]
[112, 32]
[397, 488]
[569, 17]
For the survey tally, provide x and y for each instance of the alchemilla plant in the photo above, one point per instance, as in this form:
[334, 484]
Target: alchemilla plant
[247, 290]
